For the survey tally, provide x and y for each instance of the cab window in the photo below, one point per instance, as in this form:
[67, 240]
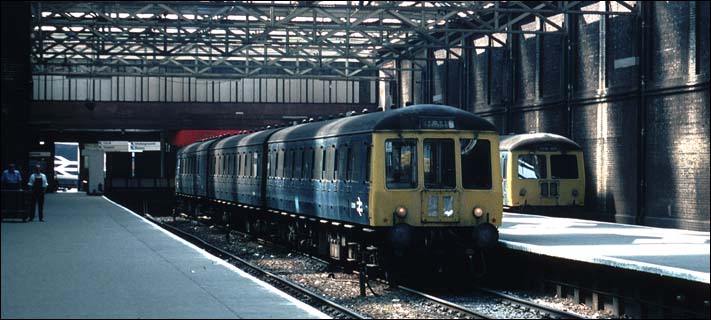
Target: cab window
[564, 166]
[401, 163]
[476, 164]
[439, 164]
[532, 166]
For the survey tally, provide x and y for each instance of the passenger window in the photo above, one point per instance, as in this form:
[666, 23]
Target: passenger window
[323, 164]
[439, 164]
[476, 164]
[248, 169]
[255, 165]
[335, 164]
[290, 164]
[245, 164]
[368, 163]
[298, 162]
[532, 166]
[280, 163]
[349, 165]
[317, 166]
[308, 162]
[564, 166]
[249, 158]
[401, 163]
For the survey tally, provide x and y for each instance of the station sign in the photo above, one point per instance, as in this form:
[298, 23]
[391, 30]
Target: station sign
[129, 146]
[145, 145]
[39, 154]
[114, 146]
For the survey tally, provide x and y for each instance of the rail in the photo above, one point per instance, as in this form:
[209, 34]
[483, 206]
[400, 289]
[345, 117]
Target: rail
[329, 307]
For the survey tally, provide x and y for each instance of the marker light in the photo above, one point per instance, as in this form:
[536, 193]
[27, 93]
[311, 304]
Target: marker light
[478, 212]
[401, 212]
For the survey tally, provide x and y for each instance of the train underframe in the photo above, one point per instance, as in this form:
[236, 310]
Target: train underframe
[398, 253]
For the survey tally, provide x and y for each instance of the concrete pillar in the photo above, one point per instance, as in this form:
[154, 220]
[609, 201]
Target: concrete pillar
[95, 159]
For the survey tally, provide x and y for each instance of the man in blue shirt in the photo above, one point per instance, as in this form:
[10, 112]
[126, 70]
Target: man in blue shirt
[11, 178]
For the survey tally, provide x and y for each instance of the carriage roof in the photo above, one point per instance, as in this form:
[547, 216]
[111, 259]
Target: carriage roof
[530, 141]
[408, 118]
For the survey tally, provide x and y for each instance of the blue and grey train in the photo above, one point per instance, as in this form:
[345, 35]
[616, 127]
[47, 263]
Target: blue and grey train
[366, 186]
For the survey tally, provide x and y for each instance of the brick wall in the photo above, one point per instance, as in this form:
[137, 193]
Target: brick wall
[677, 154]
[606, 132]
[609, 108]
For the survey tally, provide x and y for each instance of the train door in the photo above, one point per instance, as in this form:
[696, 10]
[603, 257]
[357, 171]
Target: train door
[440, 201]
[504, 159]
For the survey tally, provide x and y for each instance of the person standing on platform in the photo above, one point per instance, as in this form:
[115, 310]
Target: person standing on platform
[38, 184]
[11, 178]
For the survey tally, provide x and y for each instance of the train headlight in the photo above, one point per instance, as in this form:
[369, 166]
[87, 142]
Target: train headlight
[522, 192]
[478, 212]
[575, 192]
[401, 212]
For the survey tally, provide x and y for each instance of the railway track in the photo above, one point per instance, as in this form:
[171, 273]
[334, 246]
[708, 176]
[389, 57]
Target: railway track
[307, 296]
[505, 299]
[545, 311]
[454, 310]
[450, 308]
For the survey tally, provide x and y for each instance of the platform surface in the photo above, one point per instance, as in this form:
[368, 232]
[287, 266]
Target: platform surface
[94, 259]
[669, 252]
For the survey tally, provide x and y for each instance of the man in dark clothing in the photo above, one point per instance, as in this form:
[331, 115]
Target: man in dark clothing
[37, 183]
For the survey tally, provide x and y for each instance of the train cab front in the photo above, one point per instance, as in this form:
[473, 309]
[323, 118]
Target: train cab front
[439, 191]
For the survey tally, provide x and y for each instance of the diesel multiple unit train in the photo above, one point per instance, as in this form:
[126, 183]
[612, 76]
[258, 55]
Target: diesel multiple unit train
[421, 180]
[542, 172]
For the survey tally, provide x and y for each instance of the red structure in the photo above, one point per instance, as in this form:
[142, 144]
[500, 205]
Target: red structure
[186, 137]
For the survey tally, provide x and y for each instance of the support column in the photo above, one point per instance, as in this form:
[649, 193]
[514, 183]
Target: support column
[429, 85]
[644, 53]
[511, 100]
[163, 145]
[568, 70]
[397, 93]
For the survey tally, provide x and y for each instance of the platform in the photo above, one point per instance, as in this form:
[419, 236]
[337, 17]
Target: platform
[668, 252]
[92, 258]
